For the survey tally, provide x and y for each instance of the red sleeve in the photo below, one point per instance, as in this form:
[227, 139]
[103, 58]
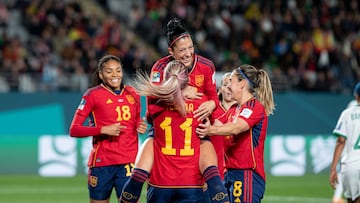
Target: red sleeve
[252, 112]
[155, 75]
[157, 70]
[210, 86]
[77, 129]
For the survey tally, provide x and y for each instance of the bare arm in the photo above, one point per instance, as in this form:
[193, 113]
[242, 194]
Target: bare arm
[222, 129]
[340, 144]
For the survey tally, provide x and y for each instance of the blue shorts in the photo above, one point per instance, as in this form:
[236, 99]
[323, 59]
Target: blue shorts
[245, 186]
[207, 197]
[101, 180]
[174, 195]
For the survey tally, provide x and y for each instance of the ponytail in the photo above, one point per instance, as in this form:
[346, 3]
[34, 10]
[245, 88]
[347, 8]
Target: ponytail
[259, 85]
[169, 92]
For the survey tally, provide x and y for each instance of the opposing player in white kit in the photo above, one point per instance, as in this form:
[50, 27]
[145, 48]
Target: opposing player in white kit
[338, 192]
[348, 149]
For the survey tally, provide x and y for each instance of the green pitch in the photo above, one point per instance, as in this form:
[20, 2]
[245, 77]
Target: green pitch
[35, 189]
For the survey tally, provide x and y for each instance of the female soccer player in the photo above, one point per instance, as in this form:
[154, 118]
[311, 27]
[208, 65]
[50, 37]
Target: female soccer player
[113, 110]
[175, 176]
[201, 84]
[226, 102]
[246, 131]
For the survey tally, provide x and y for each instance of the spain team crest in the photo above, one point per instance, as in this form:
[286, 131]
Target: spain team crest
[199, 80]
[130, 99]
[93, 181]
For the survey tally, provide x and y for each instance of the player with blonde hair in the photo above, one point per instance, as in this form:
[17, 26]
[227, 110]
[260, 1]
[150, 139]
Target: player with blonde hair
[201, 72]
[245, 131]
[175, 175]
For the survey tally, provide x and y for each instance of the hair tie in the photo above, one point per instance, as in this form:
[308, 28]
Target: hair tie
[252, 84]
[185, 34]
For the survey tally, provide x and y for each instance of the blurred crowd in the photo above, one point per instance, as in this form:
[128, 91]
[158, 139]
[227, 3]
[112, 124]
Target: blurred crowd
[51, 45]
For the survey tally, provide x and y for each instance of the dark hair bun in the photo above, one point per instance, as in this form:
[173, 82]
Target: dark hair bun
[174, 29]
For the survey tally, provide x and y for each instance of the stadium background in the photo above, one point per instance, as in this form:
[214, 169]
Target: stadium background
[49, 49]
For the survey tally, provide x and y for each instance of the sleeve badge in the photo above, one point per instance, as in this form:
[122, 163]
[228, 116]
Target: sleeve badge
[155, 77]
[82, 104]
[246, 113]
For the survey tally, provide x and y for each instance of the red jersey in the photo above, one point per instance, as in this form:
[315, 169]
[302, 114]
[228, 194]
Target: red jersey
[104, 107]
[246, 150]
[176, 146]
[201, 75]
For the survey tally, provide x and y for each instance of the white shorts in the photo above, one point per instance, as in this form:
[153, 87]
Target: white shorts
[351, 184]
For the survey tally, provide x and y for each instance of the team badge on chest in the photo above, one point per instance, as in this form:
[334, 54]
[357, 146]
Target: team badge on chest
[199, 80]
[130, 99]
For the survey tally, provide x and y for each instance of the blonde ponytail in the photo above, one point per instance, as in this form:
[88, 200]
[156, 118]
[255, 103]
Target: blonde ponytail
[259, 85]
[169, 92]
